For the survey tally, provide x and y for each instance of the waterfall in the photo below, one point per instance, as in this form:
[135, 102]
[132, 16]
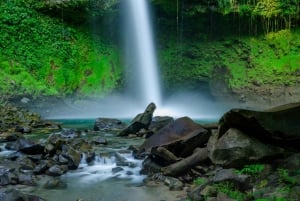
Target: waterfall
[143, 76]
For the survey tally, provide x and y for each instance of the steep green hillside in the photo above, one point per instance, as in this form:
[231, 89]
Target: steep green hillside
[51, 47]
[242, 61]
[243, 43]
[42, 55]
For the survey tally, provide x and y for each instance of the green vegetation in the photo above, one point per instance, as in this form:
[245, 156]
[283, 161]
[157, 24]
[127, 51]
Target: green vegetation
[253, 169]
[244, 61]
[44, 56]
[47, 49]
[285, 178]
[229, 189]
[199, 181]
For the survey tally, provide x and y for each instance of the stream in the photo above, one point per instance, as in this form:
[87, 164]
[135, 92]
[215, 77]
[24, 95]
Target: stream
[104, 179]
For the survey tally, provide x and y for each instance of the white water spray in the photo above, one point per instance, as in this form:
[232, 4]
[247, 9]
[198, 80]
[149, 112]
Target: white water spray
[140, 56]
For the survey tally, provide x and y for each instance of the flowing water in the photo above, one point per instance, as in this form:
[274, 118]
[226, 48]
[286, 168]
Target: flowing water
[104, 179]
[141, 58]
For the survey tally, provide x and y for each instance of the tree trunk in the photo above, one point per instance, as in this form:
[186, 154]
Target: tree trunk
[179, 167]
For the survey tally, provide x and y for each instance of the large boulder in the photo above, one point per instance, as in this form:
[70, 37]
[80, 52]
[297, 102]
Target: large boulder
[180, 137]
[279, 126]
[159, 122]
[141, 121]
[235, 149]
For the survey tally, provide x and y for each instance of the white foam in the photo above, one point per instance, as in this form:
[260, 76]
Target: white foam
[102, 169]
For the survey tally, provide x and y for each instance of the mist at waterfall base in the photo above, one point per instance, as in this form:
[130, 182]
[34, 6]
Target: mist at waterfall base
[143, 84]
[193, 104]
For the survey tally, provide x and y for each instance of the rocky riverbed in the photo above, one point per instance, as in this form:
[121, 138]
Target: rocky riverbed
[246, 155]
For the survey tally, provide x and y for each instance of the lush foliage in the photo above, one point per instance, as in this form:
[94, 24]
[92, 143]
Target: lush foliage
[43, 56]
[240, 61]
[42, 52]
[253, 169]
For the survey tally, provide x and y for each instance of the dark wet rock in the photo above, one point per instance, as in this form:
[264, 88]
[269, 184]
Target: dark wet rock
[235, 149]
[173, 183]
[81, 145]
[159, 122]
[208, 192]
[108, 124]
[53, 143]
[180, 137]
[7, 176]
[11, 146]
[57, 170]
[26, 179]
[280, 126]
[141, 121]
[29, 147]
[10, 136]
[35, 158]
[122, 161]
[12, 194]
[117, 169]
[22, 129]
[26, 164]
[41, 167]
[4, 179]
[89, 156]
[62, 159]
[73, 156]
[46, 126]
[14, 155]
[239, 180]
[150, 167]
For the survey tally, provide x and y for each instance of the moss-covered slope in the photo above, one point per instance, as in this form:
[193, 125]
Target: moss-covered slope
[43, 55]
[241, 61]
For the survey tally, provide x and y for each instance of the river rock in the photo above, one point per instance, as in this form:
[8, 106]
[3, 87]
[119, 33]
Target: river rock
[26, 179]
[141, 121]
[235, 149]
[10, 136]
[73, 156]
[4, 178]
[159, 122]
[11, 194]
[57, 170]
[29, 147]
[108, 124]
[180, 137]
[240, 180]
[53, 143]
[279, 126]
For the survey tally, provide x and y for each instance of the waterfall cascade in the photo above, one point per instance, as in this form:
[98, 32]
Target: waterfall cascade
[143, 75]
